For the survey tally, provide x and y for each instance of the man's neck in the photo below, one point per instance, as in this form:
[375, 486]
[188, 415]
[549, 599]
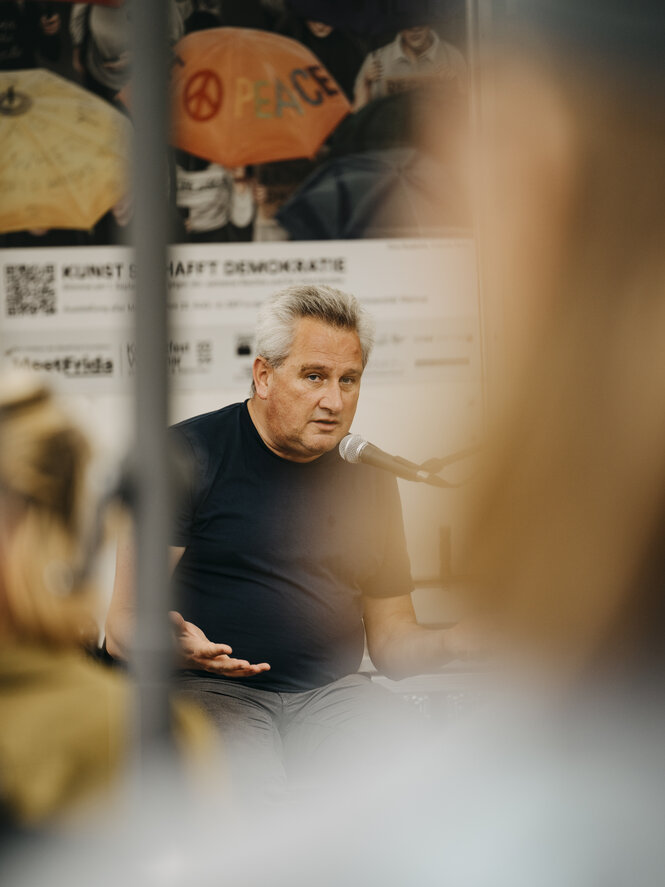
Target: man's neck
[255, 410]
[254, 414]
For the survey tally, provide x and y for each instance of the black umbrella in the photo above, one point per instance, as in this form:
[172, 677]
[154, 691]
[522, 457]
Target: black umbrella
[391, 121]
[396, 192]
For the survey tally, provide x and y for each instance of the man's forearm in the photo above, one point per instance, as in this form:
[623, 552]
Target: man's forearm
[412, 649]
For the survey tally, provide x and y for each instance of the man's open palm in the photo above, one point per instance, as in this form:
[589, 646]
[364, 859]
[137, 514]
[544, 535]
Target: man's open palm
[203, 654]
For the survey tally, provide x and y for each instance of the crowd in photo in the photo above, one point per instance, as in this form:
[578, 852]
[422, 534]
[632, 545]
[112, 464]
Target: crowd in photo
[403, 75]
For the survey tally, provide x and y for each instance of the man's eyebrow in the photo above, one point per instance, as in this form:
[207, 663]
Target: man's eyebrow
[322, 368]
[308, 367]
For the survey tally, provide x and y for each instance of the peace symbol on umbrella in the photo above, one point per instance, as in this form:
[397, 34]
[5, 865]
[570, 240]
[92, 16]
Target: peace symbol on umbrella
[202, 97]
[242, 96]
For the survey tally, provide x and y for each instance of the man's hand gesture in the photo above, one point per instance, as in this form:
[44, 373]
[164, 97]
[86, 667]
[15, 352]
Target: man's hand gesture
[200, 653]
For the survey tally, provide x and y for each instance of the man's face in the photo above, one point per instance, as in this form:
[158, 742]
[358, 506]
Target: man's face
[319, 29]
[417, 39]
[310, 400]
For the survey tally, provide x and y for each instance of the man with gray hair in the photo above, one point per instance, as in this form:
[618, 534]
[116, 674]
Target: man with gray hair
[283, 552]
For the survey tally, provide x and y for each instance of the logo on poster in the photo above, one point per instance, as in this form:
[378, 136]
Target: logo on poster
[68, 365]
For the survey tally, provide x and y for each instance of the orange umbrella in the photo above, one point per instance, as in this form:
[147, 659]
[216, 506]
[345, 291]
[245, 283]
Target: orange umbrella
[242, 96]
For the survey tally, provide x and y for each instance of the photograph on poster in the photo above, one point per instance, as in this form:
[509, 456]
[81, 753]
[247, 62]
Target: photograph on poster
[290, 121]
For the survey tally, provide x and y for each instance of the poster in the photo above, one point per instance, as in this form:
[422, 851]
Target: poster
[68, 312]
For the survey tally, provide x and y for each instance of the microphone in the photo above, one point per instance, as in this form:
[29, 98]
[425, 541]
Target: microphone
[353, 448]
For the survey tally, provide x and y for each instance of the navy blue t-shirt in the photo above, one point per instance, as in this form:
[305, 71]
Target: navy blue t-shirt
[279, 553]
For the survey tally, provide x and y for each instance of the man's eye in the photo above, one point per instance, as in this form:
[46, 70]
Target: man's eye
[313, 377]
[348, 380]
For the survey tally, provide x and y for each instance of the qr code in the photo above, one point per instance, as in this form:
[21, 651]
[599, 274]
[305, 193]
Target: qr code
[30, 289]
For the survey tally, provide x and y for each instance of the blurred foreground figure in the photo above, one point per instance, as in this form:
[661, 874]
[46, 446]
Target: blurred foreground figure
[62, 717]
[570, 535]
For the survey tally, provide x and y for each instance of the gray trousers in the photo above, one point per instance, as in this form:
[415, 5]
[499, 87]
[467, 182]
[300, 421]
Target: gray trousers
[280, 744]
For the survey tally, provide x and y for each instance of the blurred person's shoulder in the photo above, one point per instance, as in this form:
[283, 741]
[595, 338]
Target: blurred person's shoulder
[65, 733]
[63, 729]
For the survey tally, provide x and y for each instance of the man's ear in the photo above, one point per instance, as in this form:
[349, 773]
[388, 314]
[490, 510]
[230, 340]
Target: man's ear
[262, 375]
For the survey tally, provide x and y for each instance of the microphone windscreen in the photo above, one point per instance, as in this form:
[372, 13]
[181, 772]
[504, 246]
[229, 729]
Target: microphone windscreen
[351, 446]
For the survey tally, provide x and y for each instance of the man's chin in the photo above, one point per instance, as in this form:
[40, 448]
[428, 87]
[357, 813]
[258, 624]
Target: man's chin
[325, 441]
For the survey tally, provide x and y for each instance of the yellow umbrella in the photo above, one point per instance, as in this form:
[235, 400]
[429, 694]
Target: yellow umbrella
[64, 153]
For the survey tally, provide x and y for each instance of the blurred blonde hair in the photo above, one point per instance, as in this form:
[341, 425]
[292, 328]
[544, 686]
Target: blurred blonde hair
[568, 535]
[43, 459]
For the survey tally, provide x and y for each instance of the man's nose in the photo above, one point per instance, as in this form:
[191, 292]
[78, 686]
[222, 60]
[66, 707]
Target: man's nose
[332, 398]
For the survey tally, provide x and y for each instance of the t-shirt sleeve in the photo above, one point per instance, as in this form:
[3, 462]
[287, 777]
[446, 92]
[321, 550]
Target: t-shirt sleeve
[393, 577]
[189, 464]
